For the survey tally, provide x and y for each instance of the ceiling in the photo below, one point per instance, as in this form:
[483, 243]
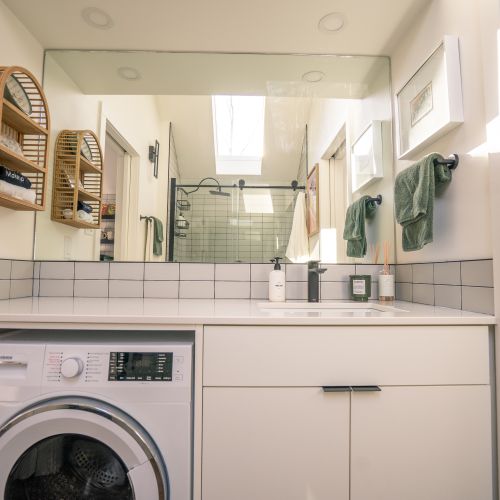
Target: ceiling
[192, 123]
[163, 73]
[287, 26]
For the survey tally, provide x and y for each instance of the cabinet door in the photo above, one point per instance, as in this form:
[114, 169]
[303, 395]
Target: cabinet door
[275, 444]
[416, 443]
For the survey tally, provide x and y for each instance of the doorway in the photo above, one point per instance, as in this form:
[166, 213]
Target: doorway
[114, 219]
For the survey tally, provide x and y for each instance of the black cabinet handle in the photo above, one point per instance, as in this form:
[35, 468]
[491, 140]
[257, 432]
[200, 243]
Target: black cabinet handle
[366, 388]
[336, 388]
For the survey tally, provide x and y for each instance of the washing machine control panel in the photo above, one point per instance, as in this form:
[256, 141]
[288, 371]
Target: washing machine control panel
[103, 366]
[141, 366]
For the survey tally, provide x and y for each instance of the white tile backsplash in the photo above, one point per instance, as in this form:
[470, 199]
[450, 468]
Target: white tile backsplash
[126, 270]
[477, 273]
[259, 290]
[232, 289]
[447, 273]
[21, 269]
[337, 272]
[429, 283]
[56, 287]
[21, 288]
[296, 272]
[296, 290]
[4, 289]
[423, 273]
[161, 289]
[335, 290]
[232, 272]
[53, 270]
[197, 272]
[448, 296]
[260, 272]
[161, 271]
[423, 294]
[5, 267]
[91, 288]
[196, 289]
[126, 288]
[92, 270]
[478, 299]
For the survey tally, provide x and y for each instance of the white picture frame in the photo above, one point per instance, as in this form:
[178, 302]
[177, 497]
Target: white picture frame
[366, 157]
[429, 104]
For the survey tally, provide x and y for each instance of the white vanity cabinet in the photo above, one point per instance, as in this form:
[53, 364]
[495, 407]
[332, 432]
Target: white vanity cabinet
[270, 431]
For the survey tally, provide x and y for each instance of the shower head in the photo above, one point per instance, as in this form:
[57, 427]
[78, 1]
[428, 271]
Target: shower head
[219, 192]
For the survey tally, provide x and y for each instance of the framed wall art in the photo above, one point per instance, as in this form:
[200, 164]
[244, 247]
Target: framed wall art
[312, 193]
[366, 157]
[430, 103]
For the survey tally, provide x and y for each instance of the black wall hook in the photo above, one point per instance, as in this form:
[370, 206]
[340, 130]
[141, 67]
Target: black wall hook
[377, 199]
[451, 162]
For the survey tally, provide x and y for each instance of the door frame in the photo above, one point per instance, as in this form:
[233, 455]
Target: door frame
[129, 178]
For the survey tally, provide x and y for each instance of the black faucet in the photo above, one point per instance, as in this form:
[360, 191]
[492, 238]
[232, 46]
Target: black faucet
[313, 272]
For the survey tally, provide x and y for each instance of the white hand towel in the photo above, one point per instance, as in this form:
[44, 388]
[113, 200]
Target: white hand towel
[298, 244]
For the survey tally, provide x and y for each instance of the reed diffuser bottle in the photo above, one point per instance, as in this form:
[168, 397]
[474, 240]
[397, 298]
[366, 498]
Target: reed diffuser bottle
[386, 279]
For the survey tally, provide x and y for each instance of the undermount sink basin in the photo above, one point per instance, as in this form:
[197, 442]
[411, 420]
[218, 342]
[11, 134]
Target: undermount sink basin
[340, 308]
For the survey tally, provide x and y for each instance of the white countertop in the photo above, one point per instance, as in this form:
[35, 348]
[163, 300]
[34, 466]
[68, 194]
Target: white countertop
[59, 312]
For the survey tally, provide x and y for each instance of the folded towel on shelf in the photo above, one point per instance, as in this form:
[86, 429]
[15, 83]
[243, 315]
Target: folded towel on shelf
[298, 243]
[354, 229]
[18, 192]
[84, 206]
[158, 236]
[13, 177]
[84, 216]
[414, 192]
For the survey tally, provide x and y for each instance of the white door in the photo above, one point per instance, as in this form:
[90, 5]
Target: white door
[78, 448]
[416, 443]
[278, 443]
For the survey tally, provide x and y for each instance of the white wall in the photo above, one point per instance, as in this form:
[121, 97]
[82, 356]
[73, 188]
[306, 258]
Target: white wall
[18, 48]
[462, 214]
[137, 120]
[327, 118]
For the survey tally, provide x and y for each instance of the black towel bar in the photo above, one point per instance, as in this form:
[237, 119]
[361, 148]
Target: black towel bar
[451, 161]
[377, 199]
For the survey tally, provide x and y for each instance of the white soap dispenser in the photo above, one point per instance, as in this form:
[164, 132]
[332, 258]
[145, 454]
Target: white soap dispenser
[277, 282]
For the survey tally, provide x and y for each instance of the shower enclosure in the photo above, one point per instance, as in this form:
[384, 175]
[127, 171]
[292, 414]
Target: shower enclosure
[230, 223]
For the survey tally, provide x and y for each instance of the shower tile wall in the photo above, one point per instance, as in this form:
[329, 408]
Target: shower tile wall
[221, 230]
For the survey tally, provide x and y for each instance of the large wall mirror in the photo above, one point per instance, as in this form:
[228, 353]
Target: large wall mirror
[220, 148]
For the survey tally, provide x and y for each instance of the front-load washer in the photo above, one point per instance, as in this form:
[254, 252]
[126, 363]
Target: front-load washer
[94, 415]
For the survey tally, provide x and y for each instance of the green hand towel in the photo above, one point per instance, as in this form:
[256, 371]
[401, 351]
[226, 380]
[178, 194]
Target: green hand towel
[414, 192]
[354, 229]
[157, 236]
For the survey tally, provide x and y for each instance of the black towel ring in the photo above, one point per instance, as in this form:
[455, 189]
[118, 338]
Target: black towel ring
[451, 161]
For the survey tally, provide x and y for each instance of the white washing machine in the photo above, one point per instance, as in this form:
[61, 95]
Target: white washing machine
[95, 415]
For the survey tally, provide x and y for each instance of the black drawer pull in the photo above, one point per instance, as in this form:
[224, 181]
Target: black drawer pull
[366, 388]
[336, 388]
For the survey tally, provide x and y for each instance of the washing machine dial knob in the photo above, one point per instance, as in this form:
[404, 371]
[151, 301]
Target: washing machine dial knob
[71, 367]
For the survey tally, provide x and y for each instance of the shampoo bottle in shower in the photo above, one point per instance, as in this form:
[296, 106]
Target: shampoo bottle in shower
[277, 282]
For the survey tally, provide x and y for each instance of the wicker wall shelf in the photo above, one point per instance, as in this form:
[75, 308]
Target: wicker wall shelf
[77, 178]
[29, 131]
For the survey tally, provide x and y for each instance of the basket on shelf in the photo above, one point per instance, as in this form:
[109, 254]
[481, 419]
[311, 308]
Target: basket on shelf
[77, 179]
[24, 137]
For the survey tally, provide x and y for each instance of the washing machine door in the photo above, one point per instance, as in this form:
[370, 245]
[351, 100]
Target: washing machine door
[79, 448]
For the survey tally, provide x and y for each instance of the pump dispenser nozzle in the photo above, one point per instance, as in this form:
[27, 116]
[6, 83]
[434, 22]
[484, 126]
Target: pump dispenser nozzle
[277, 265]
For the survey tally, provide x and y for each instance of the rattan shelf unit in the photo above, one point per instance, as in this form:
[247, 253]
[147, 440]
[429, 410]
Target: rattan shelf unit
[31, 132]
[77, 178]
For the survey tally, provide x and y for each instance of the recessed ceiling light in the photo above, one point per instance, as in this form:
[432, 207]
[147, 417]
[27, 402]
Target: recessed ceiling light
[332, 22]
[313, 76]
[128, 73]
[97, 18]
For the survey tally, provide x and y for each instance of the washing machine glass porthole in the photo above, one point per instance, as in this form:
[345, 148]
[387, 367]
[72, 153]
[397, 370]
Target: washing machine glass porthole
[68, 467]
